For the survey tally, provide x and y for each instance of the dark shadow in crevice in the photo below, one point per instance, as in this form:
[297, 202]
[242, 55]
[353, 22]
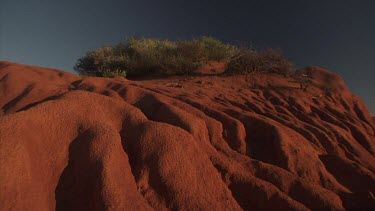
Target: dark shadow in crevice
[358, 200]
[50, 98]
[79, 186]
[4, 78]
[349, 173]
[76, 83]
[13, 102]
[130, 142]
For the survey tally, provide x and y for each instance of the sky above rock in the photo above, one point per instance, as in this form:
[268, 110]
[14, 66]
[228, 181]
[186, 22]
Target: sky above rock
[336, 35]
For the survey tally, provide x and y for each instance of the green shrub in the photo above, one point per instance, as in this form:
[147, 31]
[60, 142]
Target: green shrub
[214, 50]
[141, 56]
[148, 55]
[179, 65]
[247, 61]
[95, 62]
[110, 73]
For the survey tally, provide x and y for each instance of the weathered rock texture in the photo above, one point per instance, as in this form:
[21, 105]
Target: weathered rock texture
[256, 142]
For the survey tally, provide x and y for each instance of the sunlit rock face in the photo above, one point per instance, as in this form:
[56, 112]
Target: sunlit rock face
[256, 142]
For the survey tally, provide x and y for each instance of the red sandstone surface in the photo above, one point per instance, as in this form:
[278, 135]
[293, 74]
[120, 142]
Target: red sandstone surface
[256, 142]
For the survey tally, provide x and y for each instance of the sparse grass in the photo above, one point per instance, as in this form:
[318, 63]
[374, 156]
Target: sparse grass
[142, 56]
[108, 73]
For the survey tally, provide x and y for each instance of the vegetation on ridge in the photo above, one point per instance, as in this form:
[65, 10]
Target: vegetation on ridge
[144, 56]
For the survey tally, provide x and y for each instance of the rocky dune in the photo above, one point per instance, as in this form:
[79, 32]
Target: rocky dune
[256, 142]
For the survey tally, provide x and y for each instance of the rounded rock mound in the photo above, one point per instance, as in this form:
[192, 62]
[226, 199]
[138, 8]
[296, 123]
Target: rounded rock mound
[256, 142]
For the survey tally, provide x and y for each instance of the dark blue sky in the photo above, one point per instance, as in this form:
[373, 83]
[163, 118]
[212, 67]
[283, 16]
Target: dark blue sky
[336, 35]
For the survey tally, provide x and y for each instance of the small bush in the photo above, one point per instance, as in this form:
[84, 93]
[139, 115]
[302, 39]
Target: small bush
[179, 65]
[141, 56]
[147, 55]
[103, 60]
[214, 50]
[109, 73]
[247, 61]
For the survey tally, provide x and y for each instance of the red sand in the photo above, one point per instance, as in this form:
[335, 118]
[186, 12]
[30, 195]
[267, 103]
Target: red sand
[211, 143]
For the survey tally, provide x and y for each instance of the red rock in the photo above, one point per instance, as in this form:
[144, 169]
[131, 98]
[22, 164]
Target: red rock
[255, 142]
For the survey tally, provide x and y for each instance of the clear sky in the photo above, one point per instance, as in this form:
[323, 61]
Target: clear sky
[336, 35]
